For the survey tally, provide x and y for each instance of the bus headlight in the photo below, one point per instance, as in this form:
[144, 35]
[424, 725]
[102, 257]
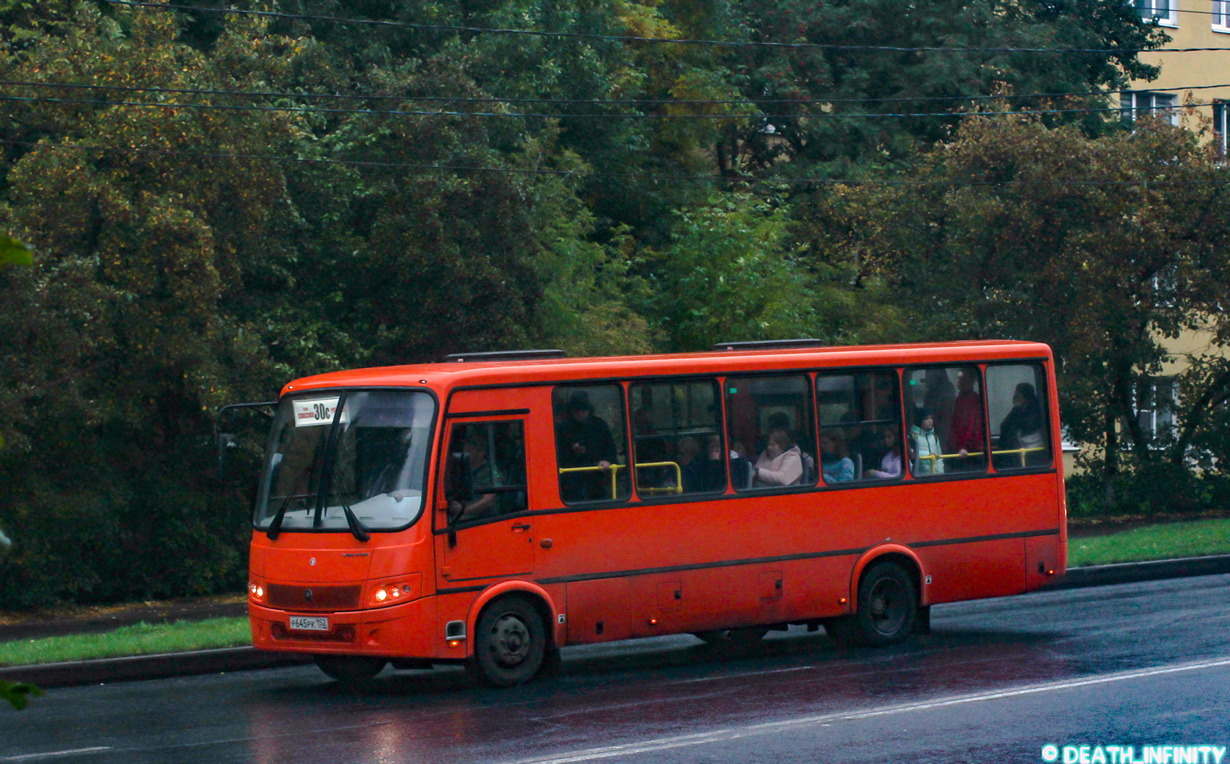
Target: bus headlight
[256, 591]
[382, 595]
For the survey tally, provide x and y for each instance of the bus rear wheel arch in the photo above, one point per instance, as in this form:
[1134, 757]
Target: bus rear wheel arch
[886, 609]
[511, 644]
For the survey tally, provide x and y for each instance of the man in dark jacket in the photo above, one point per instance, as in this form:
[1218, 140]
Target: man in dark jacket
[584, 440]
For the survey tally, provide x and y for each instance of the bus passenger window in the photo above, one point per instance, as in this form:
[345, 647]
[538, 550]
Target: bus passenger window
[1020, 434]
[676, 436]
[860, 427]
[495, 454]
[772, 432]
[590, 443]
[948, 433]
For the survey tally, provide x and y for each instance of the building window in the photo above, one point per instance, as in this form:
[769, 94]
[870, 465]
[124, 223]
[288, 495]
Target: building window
[1221, 15]
[1157, 399]
[1164, 12]
[1139, 104]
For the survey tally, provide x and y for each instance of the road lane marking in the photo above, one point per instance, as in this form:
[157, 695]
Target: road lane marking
[735, 733]
[741, 675]
[56, 754]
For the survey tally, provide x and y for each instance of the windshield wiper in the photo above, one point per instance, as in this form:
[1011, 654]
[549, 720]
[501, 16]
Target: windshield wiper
[356, 527]
[275, 525]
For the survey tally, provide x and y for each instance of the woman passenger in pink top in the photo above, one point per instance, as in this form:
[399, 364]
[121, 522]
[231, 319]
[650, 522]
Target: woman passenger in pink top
[781, 463]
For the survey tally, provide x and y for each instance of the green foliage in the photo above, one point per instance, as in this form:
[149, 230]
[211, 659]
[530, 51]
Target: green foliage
[1156, 489]
[853, 79]
[13, 252]
[1102, 247]
[731, 272]
[205, 247]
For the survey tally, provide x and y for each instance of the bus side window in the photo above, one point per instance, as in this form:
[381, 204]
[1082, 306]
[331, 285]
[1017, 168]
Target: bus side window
[494, 474]
[948, 433]
[772, 432]
[1020, 433]
[677, 438]
[591, 443]
[860, 427]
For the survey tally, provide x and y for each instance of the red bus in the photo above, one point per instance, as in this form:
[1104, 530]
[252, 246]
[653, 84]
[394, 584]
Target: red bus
[494, 508]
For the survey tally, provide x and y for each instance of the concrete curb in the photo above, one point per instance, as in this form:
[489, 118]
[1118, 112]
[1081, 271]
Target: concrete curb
[158, 666]
[248, 658]
[1131, 572]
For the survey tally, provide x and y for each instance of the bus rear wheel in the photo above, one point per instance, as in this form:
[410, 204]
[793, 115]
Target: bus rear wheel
[887, 609]
[510, 644]
[350, 669]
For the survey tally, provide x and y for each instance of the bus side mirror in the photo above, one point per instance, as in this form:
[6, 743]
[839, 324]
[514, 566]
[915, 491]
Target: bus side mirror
[226, 440]
[457, 479]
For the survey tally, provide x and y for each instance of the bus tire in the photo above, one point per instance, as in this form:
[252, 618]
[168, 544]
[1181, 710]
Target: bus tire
[887, 605]
[510, 643]
[350, 669]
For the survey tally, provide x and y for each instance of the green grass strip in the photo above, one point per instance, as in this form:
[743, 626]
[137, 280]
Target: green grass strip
[1155, 542]
[138, 639]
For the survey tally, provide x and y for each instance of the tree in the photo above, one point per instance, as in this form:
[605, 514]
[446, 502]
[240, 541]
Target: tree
[1102, 247]
[13, 252]
[833, 104]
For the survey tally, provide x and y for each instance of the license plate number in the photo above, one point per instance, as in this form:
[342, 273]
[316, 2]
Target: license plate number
[309, 623]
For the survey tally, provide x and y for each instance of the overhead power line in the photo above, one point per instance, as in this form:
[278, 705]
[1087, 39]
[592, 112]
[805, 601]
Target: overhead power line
[636, 39]
[815, 115]
[585, 101]
[478, 169]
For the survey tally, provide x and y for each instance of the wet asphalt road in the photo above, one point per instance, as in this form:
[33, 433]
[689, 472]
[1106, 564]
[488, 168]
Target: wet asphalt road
[1135, 664]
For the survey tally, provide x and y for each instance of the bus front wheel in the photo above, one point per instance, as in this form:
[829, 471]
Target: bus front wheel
[350, 669]
[887, 609]
[510, 644]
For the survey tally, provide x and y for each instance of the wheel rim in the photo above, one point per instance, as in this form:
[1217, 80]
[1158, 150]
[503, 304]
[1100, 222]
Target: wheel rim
[888, 606]
[510, 640]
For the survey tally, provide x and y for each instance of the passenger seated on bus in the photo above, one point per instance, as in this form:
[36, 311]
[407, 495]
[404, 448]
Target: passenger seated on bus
[483, 474]
[835, 464]
[778, 420]
[926, 444]
[1021, 429]
[583, 439]
[702, 470]
[781, 463]
[742, 471]
[890, 462]
[866, 442]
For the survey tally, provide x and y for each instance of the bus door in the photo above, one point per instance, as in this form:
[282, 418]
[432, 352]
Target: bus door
[482, 532]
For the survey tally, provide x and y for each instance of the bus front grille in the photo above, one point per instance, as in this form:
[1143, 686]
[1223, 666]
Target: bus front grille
[300, 597]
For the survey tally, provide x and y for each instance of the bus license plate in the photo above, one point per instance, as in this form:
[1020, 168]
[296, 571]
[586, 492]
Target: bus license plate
[309, 623]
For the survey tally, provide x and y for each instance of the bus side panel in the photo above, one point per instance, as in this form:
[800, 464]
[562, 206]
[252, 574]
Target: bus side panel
[660, 569]
[1043, 560]
[599, 610]
[973, 570]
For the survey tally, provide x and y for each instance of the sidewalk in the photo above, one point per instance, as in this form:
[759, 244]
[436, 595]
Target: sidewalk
[247, 658]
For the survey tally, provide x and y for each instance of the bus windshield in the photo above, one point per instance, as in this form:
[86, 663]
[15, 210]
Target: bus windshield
[346, 461]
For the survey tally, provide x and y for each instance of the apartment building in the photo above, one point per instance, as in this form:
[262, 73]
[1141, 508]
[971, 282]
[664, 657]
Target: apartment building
[1199, 80]
[1186, 76]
